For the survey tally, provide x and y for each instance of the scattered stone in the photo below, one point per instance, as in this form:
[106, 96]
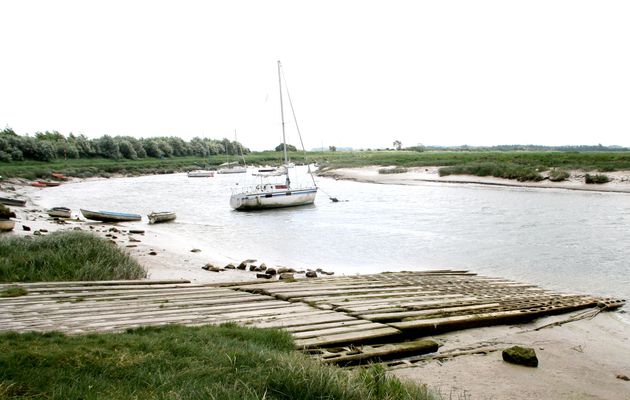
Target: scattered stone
[77, 228]
[283, 270]
[37, 233]
[319, 270]
[623, 377]
[521, 355]
[285, 276]
[271, 271]
[311, 274]
[230, 266]
[300, 271]
[132, 245]
[91, 227]
[134, 239]
[108, 235]
[26, 228]
[43, 230]
[136, 231]
[264, 276]
[328, 273]
[253, 267]
[153, 253]
[113, 229]
[195, 251]
[263, 266]
[114, 237]
[242, 266]
[212, 268]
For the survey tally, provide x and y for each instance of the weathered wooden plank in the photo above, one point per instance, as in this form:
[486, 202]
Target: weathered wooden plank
[337, 339]
[376, 353]
[367, 325]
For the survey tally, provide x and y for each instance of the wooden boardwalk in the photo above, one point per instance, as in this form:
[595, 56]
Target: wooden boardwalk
[377, 315]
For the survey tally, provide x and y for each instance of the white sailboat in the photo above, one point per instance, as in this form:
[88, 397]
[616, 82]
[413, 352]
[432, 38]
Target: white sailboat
[274, 195]
[233, 167]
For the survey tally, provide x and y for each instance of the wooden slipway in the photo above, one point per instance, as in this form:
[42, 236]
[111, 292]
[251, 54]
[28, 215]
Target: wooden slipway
[342, 319]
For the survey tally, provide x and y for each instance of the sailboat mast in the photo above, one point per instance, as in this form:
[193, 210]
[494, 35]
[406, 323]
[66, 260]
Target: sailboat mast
[284, 139]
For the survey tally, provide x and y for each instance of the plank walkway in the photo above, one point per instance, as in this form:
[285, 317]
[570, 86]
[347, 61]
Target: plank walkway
[346, 319]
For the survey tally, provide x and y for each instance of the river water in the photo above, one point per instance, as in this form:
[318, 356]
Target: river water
[577, 242]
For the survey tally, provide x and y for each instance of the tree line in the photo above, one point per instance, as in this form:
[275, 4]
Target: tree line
[48, 146]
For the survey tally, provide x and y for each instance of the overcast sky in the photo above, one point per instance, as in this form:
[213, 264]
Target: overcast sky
[360, 73]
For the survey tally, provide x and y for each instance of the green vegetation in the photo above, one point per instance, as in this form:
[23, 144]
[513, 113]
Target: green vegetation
[64, 256]
[558, 175]
[13, 292]
[598, 179]
[508, 171]
[175, 362]
[395, 170]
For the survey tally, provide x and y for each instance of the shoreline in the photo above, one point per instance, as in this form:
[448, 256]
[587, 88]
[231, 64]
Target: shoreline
[578, 359]
[620, 180]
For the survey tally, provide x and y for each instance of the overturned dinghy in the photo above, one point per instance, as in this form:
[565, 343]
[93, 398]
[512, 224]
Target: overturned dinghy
[60, 212]
[162, 216]
[110, 216]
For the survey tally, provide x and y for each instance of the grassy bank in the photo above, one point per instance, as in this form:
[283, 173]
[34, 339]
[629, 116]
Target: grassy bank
[175, 362]
[64, 256]
[469, 160]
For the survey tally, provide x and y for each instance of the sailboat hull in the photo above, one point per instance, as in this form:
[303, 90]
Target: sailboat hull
[273, 199]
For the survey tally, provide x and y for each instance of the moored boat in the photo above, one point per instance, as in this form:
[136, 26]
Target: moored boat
[275, 195]
[200, 173]
[61, 212]
[12, 202]
[49, 183]
[161, 216]
[59, 176]
[38, 184]
[110, 216]
[231, 168]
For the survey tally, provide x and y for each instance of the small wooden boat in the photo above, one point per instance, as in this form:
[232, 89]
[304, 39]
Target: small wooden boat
[58, 176]
[162, 216]
[200, 173]
[49, 183]
[6, 225]
[12, 202]
[61, 212]
[38, 184]
[110, 216]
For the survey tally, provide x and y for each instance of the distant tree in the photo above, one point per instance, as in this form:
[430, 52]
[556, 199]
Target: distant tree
[151, 148]
[127, 150]
[108, 148]
[290, 147]
[397, 144]
[332, 148]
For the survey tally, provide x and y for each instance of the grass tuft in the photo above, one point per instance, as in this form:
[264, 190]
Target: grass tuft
[64, 256]
[597, 179]
[558, 175]
[395, 170]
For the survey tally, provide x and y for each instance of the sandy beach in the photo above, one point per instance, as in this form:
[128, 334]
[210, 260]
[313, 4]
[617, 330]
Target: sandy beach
[586, 359]
[619, 180]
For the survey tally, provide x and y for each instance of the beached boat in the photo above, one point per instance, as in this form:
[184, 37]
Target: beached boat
[38, 184]
[6, 225]
[162, 216]
[60, 212]
[110, 216]
[275, 195]
[59, 176]
[49, 183]
[12, 202]
[200, 173]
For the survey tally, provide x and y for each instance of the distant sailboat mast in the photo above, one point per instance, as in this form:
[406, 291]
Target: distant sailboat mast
[284, 139]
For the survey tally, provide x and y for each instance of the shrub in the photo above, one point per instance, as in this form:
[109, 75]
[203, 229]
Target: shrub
[558, 175]
[598, 178]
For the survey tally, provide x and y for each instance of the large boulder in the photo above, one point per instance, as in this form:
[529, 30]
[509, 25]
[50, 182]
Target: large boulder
[286, 276]
[521, 356]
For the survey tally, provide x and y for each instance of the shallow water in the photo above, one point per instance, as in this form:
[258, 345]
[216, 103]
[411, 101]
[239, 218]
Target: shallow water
[564, 240]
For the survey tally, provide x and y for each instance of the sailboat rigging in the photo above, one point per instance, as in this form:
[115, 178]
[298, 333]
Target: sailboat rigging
[275, 195]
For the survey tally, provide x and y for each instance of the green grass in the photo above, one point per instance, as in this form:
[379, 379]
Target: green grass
[175, 362]
[395, 170]
[64, 256]
[13, 292]
[558, 175]
[542, 160]
[500, 170]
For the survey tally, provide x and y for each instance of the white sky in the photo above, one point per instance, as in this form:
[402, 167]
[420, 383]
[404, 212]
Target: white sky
[361, 73]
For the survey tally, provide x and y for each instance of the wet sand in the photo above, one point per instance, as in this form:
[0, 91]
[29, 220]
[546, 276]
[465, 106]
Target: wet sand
[578, 360]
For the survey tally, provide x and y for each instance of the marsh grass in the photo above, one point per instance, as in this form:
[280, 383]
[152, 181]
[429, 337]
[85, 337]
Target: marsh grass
[558, 175]
[395, 170]
[64, 256]
[506, 170]
[597, 179]
[176, 362]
